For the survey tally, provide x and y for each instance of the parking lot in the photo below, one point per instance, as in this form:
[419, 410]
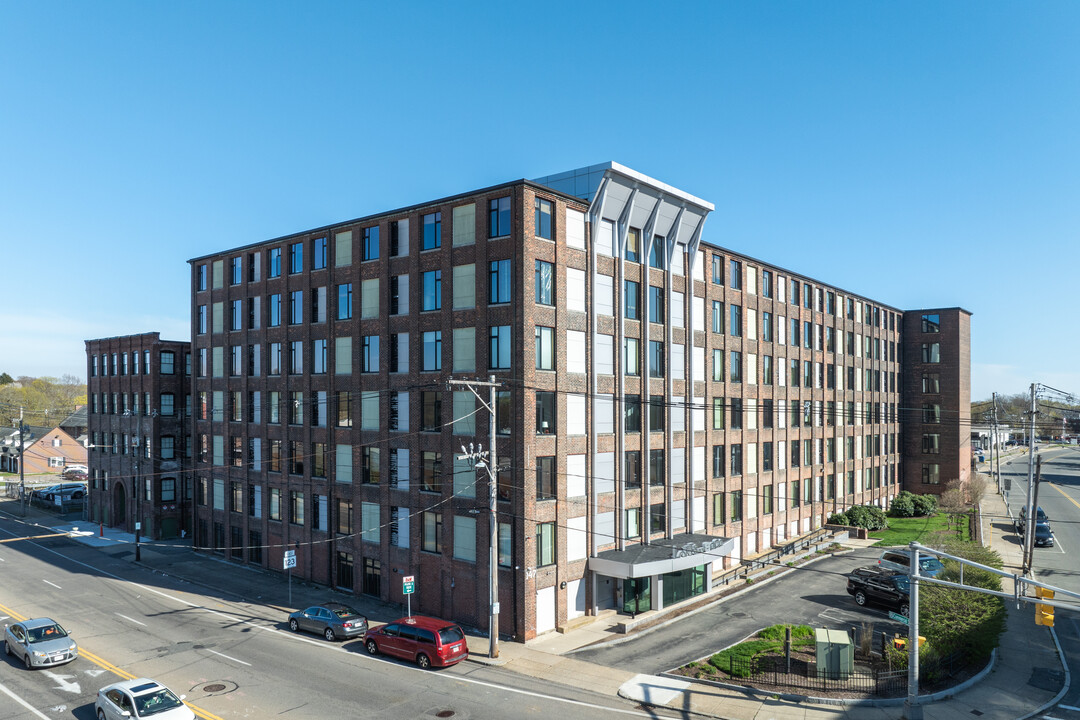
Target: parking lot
[813, 594]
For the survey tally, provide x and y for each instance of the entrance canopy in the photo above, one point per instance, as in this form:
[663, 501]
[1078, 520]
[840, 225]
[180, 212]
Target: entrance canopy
[662, 556]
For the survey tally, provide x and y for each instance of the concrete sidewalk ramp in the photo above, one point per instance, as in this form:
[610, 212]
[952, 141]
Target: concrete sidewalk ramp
[652, 689]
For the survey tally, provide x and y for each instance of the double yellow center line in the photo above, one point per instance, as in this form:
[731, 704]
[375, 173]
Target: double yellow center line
[106, 665]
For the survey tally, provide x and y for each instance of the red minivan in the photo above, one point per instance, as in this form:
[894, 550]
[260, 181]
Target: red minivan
[426, 640]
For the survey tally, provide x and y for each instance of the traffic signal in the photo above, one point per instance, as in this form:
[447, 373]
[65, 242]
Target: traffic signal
[1044, 614]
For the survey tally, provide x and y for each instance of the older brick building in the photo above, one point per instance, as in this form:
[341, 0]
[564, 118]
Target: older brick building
[666, 407]
[937, 398]
[138, 429]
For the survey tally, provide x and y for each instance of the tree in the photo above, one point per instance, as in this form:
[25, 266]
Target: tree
[6, 379]
[43, 401]
[976, 488]
[952, 500]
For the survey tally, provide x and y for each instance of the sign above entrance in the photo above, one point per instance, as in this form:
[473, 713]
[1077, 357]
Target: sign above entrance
[695, 548]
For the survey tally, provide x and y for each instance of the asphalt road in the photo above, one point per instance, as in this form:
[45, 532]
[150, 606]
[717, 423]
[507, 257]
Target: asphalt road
[814, 595]
[1059, 496]
[230, 659]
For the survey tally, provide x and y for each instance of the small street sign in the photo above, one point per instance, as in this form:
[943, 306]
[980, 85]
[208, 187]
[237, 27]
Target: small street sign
[408, 584]
[898, 617]
[290, 559]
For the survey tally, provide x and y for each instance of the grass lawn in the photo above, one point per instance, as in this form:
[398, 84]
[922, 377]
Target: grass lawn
[923, 530]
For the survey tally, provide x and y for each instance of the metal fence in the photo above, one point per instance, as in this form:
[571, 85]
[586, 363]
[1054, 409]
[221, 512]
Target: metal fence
[802, 674]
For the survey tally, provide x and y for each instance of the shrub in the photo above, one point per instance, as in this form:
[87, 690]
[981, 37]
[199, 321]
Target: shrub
[867, 516]
[925, 504]
[972, 576]
[897, 658]
[903, 505]
[839, 519]
[963, 620]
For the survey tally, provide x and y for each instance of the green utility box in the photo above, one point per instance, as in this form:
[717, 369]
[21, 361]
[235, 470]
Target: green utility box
[835, 654]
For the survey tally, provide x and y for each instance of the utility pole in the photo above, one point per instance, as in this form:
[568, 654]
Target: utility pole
[997, 469]
[1029, 526]
[477, 457]
[1032, 519]
[22, 474]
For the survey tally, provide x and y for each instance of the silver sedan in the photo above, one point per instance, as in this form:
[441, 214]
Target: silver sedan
[40, 642]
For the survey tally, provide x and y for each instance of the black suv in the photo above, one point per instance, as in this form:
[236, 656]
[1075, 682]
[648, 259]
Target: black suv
[886, 587]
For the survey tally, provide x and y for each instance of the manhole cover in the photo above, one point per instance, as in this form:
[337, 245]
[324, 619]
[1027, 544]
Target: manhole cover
[217, 687]
[445, 713]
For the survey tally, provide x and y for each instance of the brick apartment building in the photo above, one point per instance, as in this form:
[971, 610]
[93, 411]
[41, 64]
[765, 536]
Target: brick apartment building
[645, 442]
[936, 398]
[138, 425]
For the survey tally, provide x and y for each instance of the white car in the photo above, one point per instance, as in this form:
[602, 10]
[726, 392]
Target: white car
[140, 698]
[39, 642]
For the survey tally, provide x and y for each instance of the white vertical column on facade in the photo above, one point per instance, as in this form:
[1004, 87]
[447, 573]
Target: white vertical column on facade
[596, 213]
[646, 369]
[691, 257]
[669, 393]
[622, 229]
[617, 283]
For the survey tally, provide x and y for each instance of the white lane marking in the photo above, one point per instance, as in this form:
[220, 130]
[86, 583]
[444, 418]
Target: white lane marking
[1069, 707]
[131, 620]
[62, 680]
[51, 583]
[29, 708]
[297, 638]
[229, 658]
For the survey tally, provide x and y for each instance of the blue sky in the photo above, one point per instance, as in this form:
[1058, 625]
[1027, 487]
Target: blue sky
[924, 154]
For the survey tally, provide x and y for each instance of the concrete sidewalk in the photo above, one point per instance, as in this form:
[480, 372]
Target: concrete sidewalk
[1026, 675]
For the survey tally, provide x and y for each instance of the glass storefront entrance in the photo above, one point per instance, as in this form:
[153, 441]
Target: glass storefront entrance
[683, 584]
[637, 595]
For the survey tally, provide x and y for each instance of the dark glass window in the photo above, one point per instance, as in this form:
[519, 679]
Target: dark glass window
[633, 469]
[545, 283]
[632, 423]
[371, 243]
[545, 478]
[545, 412]
[432, 231]
[657, 252]
[632, 296]
[542, 220]
[499, 282]
[498, 217]
[296, 258]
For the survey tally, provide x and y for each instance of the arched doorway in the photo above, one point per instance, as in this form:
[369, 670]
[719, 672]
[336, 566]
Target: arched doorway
[119, 506]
